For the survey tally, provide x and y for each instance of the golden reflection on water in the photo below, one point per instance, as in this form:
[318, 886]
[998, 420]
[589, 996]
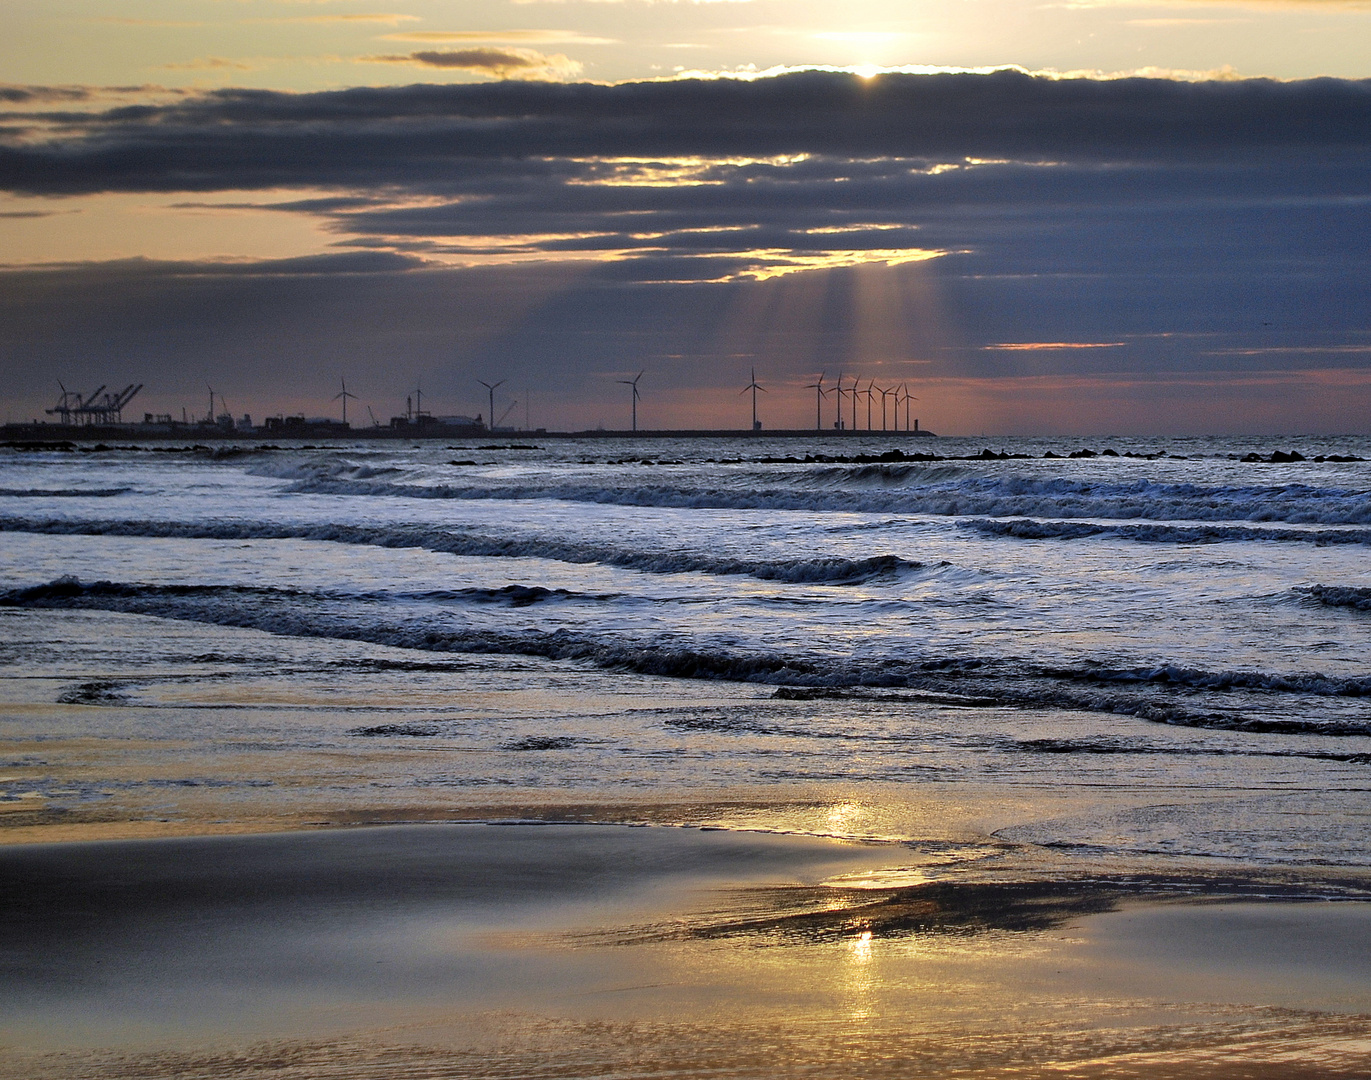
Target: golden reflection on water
[860, 979]
[843, 816]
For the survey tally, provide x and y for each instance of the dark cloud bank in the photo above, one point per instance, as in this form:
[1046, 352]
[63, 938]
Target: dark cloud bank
[1210, 226]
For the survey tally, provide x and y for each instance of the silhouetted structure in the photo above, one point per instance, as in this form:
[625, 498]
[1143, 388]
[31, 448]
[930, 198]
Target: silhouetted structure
[94, 410]
[754, 387]
[633, 382]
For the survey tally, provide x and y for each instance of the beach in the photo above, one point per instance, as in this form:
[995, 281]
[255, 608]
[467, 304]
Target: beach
[351, 762]
[522, 950]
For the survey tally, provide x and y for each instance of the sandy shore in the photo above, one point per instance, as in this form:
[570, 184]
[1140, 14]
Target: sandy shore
[210, 867]
[571, 950]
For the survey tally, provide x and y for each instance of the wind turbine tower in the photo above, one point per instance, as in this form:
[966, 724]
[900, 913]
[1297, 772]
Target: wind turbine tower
[492, 388]
[754, 386]
[344, 395]
[908, 397]
[885, 394]
[819, 393]
[633, 382]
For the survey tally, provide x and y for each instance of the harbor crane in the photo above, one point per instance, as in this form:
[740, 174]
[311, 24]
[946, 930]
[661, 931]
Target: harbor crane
[99, 408]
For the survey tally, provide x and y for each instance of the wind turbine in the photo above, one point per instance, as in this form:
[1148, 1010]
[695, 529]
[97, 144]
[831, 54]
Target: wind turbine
[908, 397]
[838, 416]
[210, 418]
[853, 393]
[492, 390]
[64, 403]
[869, 396]
[633, 382]
[344, 395]
[754, 386]
[884, 394]
[819, 393]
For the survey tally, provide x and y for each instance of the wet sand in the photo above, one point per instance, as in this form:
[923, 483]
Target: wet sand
[206, 871]
[574, 950]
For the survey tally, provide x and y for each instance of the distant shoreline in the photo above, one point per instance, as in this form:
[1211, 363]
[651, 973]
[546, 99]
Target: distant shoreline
[142, 433]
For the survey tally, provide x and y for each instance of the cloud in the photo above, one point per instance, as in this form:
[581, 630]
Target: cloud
[1038, 346]
[381, 17]
[645, 3]
[736, 178]
[500, 63]
[1258, 5]
[1169, 23]
[542, 37]
[1294, 350]
[176, 325]
[407, 134]
[210, 63]
[175, 24]
[998, 226]
[18, 94]
[14, 94]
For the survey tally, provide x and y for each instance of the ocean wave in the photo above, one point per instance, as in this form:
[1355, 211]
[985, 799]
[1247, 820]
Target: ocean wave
[67, 588]
[1163, 693]
[1348, 596]
[508, 595]
[822, 569]
[1197, 678]
[1029, 529]
[879, 475]
[63, 493]
[907, 489]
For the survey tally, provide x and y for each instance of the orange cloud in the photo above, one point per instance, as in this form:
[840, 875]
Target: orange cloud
[501, 63]
[1036, 346]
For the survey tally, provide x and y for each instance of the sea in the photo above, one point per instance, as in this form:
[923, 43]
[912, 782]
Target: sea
[391, 630]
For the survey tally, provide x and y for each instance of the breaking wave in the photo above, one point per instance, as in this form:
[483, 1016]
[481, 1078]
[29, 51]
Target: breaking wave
[1028, 529]
[1163, 693]
[829, 569]
[908, 489]
[1348, 596]
[63, 493]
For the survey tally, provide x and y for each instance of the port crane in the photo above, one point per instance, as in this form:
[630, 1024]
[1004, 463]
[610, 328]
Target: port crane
[504, 414]
[95, 409]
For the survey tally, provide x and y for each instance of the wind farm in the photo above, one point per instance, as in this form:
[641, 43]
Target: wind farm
[100, 415]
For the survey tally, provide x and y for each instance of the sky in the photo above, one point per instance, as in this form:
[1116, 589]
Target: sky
[1080, 217]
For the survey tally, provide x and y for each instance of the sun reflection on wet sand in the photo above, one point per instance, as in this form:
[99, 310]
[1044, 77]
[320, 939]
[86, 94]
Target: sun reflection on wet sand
[465, 951]
[834, 927]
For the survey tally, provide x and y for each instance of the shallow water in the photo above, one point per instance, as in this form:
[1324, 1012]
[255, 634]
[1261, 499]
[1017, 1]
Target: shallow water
[1145, 672]
[1176, 619]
